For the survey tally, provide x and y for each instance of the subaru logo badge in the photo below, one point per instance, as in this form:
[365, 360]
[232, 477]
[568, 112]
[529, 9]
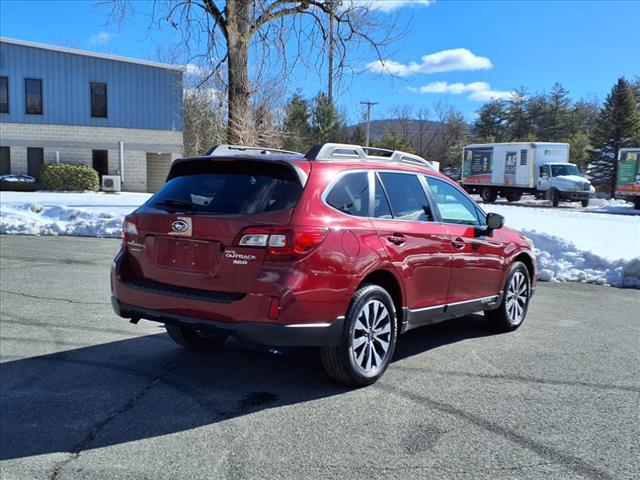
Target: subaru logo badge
[180, 226]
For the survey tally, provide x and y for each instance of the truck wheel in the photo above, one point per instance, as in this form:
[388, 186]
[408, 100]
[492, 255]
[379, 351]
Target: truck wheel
[488, 195]
[585, 203]
[368, 340]
[194, 339]
[554, 196]
[515, 300]
[514, 197]
[636, 203]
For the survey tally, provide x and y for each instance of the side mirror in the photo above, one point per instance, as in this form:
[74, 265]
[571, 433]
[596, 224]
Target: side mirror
[494, 221]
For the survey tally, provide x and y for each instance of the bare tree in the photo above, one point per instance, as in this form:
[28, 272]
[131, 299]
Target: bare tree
[277, 33]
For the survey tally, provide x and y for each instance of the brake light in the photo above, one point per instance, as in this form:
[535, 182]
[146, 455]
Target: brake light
[129, 229]
[284, 242]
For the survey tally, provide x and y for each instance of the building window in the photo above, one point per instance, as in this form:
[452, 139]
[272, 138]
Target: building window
[33, 95]
[98, 100]
[5, 160]
[4, 95]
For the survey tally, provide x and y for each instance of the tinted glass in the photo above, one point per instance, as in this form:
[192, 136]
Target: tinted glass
[99, 100]
[558, 170]
[33, 95]
[351, 194]
[4, 95]
[406, 195]
[453, 205]
[230, 188]
[381, 207]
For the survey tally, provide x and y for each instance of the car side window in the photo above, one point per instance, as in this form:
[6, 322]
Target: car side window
[452, 204]
[381, 208]
[406, 196]
[351, 194]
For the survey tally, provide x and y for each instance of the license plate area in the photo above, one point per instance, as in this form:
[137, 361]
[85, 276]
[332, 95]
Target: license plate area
[194, 256]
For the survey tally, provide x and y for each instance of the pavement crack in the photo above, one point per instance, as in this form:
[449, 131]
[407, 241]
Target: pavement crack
[68, 300]
[164, 372]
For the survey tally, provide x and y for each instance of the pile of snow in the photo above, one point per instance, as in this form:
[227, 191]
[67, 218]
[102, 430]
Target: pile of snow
[87, 214]
[559, 260]
[581, 245]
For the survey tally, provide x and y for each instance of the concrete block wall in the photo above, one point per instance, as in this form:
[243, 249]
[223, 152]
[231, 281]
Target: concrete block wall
[75, 145]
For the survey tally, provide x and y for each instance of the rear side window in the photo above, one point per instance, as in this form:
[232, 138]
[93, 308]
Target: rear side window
[230, 188]
[453, 205]
[351, 194]
[406, 196]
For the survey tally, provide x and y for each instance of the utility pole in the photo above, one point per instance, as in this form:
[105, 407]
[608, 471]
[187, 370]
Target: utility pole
[330, 73]
[369, 105]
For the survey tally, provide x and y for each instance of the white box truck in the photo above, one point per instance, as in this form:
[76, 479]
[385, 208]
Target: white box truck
[510, 170]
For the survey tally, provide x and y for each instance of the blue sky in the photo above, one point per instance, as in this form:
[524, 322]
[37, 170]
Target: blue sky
[474, 50]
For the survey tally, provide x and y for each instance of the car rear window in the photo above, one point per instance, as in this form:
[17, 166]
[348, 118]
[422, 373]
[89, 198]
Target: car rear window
[236, 187]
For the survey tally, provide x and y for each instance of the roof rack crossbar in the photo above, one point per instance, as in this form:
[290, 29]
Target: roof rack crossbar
[239, 150]
[342, 151]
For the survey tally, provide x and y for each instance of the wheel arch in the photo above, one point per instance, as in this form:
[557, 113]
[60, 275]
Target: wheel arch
[528, 261]
[388, 281]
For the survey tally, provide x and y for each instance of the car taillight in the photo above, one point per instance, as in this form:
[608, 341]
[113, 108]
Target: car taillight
[129, 230]
[283, 242]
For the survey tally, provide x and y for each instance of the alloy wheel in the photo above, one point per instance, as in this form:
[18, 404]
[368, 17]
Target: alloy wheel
[371, 337]
[517, 296]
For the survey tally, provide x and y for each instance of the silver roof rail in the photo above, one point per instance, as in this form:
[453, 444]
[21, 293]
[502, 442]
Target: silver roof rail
[241, 150]
[343, 151]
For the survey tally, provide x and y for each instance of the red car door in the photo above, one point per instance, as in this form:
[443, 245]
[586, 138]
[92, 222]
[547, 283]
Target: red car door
[478, 261]
[418, 247]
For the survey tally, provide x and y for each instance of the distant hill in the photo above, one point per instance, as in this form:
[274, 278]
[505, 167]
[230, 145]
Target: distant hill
[379, 127]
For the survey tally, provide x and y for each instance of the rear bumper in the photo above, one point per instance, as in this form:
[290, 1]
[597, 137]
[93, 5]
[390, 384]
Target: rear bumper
[293, 335]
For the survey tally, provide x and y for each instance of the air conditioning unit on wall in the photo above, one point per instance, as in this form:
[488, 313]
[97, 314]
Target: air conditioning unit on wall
[111, 183]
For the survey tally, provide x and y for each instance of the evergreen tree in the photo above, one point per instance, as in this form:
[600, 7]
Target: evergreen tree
[327, 124]
[557, 114]
[491, 122]
[518, 126]
[358, 135]
[618, 126]
[394, 141]
[297, 127]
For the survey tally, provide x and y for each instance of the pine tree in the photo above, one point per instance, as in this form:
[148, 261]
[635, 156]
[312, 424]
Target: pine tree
[557, 114]
[327, 124]
[358, 135]
[618, 126]
[297, 127]
[491, 122]
[518, 126]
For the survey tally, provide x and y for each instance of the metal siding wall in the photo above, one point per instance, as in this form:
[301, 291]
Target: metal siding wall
[138, 96]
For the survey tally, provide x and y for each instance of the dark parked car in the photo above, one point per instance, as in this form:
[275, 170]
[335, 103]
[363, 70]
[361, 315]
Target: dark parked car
[343, 248]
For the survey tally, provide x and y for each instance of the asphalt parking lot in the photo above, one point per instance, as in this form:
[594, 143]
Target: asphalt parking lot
[85, 395]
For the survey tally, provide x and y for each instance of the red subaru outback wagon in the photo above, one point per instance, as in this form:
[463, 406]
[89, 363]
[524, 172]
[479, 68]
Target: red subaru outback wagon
[343, 248]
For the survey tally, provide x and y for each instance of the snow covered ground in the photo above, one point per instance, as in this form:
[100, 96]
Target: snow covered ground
[87, 214]
[574, 244]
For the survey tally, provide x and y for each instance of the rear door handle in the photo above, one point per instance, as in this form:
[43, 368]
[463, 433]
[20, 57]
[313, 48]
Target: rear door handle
[458, 243]
[397, 238]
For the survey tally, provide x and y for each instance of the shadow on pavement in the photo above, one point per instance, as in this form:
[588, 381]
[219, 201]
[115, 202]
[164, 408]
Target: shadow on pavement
[144, 387]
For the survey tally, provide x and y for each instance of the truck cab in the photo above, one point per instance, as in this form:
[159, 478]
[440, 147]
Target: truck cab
[562, 181]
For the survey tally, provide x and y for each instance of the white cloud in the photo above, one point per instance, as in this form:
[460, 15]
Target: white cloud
[478, 91]
[390, 5]
[101, 38]
[443, 61]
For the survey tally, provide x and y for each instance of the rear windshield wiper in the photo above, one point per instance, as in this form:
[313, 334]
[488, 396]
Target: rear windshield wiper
[170, 202]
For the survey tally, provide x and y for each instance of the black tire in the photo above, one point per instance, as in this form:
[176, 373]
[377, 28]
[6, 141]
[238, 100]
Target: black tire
[194, 339]
[585, 203]
[554, 196]
[636, 203]
[502, 318]
[341, 362]
[488, 195]
[514, 197]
